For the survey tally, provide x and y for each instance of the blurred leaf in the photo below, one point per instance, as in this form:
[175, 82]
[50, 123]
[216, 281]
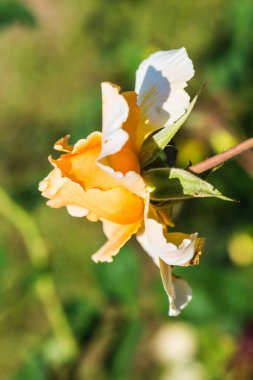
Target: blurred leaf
[178, 184]
[81, 314]
[15, 12]
[31, 371]
[120, 279]
[3, 258]
[125, 352]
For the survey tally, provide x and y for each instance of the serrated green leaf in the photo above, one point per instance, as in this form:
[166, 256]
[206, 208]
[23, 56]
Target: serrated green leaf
[157, 141]
[178, 184]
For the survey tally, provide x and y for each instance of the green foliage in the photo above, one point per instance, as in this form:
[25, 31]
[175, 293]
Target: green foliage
[178, 184]
[126, 351]
[120, 279]
[12, 11]
[31, 371]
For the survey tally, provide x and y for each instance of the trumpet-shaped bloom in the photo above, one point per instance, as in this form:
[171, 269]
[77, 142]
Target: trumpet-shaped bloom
[100, 177]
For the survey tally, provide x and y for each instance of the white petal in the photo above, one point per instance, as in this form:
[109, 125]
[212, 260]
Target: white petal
[114, 113]
[160, 83]
[76, 211]
[177, 289]
[131, 180]
[154, 242]
[114, 137]
[182, 294]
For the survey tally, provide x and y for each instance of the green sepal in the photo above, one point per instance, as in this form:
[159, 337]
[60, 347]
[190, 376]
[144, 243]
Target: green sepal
[157, 141]
[178, 184]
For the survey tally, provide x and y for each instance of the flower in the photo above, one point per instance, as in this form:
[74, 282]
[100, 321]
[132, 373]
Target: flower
[101, 177]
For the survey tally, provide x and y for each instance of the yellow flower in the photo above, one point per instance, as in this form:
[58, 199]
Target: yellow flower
[100, 177]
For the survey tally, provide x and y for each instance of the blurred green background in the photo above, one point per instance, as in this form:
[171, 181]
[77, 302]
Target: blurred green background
[61, 315]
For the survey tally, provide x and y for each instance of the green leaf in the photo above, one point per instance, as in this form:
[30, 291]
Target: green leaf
[126, 350]
[120, 280]
[157, 141]
[33, 369]
[178, 184]
[15, 12]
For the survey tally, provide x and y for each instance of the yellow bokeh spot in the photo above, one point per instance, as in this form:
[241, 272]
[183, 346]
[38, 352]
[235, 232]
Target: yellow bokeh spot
[222, 140]
[190, 150]
[240, 249]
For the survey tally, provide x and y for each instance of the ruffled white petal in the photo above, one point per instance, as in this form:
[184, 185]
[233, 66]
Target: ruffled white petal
[114, 114]
[154, 241]
[160, 83]
[169, 249]
[114, 137]
[177, 289]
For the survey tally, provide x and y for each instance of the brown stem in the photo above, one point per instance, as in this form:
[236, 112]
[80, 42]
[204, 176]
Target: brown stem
[221, 157]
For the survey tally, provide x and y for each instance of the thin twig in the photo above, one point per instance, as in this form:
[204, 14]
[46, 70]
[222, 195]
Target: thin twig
[221, 157]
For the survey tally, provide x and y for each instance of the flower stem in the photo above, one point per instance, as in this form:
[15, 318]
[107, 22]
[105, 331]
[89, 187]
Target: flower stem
[221, 157]
[44, 283]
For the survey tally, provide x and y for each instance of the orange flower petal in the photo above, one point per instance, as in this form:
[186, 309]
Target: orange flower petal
[51, 184]
[117, 205]
[62, 145]
[81, 165]
[118, 235]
